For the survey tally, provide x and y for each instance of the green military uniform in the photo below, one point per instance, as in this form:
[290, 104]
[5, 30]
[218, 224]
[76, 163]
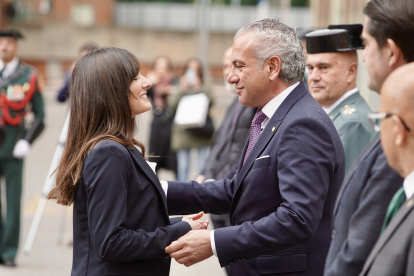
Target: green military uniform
[351, 121]
[20, 94]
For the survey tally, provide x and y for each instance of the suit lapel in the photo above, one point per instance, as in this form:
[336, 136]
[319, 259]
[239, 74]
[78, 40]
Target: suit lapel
[142, 164]
[267, 133]
[389, 232]
[368, 149]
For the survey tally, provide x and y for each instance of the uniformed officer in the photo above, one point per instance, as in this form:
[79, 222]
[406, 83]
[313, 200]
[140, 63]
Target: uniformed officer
[20, 94]
[333, 65]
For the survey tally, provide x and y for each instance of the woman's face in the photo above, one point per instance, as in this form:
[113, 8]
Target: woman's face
[138, 100]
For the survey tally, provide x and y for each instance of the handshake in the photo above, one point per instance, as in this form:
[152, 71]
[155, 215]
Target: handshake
[193, 247]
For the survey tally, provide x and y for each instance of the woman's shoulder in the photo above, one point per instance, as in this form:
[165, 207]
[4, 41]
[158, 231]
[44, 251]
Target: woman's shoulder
[107, 149]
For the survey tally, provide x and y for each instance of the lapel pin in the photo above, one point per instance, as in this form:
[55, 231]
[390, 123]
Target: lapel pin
[409, 203]
[273, 129]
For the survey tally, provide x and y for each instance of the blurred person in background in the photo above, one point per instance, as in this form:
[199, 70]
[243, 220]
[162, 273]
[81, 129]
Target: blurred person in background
[332, 81]
[63, 94]
[393, 254]
[120, 221]
[302, 37]
[162, 78]
[229, 141]
[20, 94]
[183, 140]
[362, 202]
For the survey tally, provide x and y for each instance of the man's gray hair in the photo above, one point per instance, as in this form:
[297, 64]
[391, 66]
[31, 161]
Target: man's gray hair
[274, 38]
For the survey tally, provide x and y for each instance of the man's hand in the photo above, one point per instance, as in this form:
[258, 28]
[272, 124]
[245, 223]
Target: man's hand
[191, 248]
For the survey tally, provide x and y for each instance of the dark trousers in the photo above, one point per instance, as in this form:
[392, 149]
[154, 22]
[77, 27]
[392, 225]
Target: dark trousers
[12, 170]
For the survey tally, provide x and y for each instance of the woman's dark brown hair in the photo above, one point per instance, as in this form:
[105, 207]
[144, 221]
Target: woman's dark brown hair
[100, 110]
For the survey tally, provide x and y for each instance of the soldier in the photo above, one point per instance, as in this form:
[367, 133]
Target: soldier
[20, 94]
[332, 82]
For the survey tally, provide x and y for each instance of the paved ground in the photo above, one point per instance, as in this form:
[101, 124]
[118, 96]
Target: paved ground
[51, 254]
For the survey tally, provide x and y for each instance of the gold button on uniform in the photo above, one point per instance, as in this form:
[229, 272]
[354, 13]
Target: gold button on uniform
[273, 129]
[409, 203]
[346, 106]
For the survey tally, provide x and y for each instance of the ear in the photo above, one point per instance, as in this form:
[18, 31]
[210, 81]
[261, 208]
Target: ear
[352, 72]
[272, 66]
[399, 130]
[395, 54]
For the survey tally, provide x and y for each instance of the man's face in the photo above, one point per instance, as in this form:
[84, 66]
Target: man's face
[387, 135]
[251, 82]
[377, 66]
[327, 77]
[8, 49]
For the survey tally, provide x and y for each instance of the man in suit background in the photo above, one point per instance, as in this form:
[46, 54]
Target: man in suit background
[370, 184]
[332, 81]
[280, 199]
[393, 254]
[228, 143]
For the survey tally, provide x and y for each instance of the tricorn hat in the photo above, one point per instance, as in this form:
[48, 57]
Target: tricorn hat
[337, 38]
[15, 33]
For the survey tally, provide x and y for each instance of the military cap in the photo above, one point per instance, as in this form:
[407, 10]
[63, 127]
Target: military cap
[15, 33]
[337, 38]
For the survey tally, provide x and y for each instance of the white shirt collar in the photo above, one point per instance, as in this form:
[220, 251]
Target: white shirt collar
[270, 108]
[341, 99]
[409, 185]
[10, 67]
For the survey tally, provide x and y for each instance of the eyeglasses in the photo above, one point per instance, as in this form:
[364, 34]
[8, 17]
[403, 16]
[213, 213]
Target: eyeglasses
[376, 118]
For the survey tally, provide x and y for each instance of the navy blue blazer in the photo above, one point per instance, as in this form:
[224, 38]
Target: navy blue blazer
[280, 205]
[120, 220]
[360, 210]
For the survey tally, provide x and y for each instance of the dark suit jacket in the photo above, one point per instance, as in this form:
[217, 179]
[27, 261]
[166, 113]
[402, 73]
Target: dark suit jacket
[120, 220]
[393, 254]
[360, 210]
[229, 141]
[280, 206]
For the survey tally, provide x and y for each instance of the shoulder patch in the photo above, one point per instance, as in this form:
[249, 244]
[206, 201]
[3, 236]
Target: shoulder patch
[349, 111]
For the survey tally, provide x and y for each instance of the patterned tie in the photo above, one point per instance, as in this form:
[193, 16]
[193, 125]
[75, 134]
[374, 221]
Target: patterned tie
[255, 131]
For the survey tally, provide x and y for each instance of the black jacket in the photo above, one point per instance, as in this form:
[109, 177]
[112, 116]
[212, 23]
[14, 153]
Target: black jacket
[120, 220]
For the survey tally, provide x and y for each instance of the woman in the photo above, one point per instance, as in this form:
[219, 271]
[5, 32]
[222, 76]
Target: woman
[161, 77]
[120, 220]
[183, 140]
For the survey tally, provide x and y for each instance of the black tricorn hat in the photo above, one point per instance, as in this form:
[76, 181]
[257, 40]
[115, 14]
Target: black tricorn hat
[16, 34]
[337, 38]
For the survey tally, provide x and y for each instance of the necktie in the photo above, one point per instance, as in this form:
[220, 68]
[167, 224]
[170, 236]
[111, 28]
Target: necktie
[255, 131]
[396, 202]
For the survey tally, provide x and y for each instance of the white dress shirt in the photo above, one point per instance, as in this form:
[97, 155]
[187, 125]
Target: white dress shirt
[10, 67]
[409, 185]
[269, 110]
[341, 99]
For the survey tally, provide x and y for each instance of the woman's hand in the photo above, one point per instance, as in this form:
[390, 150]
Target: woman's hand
[195, 223]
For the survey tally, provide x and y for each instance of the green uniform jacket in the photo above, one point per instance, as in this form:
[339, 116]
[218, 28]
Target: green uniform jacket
[15, 133]
[181, 138]
[351, 120]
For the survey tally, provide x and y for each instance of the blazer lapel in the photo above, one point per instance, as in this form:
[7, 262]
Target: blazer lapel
[267, 133]
[389, 232]
[142, 164]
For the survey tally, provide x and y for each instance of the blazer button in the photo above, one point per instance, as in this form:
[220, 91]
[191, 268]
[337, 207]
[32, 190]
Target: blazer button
[232, 223]
[333, 234]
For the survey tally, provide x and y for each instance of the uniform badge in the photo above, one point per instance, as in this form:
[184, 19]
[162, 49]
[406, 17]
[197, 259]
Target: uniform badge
[17, 92]
[349, 111]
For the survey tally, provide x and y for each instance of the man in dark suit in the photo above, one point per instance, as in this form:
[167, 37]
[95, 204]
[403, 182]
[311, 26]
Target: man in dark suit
[393, 254]
[228, 142]
[370, 184]
[280, 199]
